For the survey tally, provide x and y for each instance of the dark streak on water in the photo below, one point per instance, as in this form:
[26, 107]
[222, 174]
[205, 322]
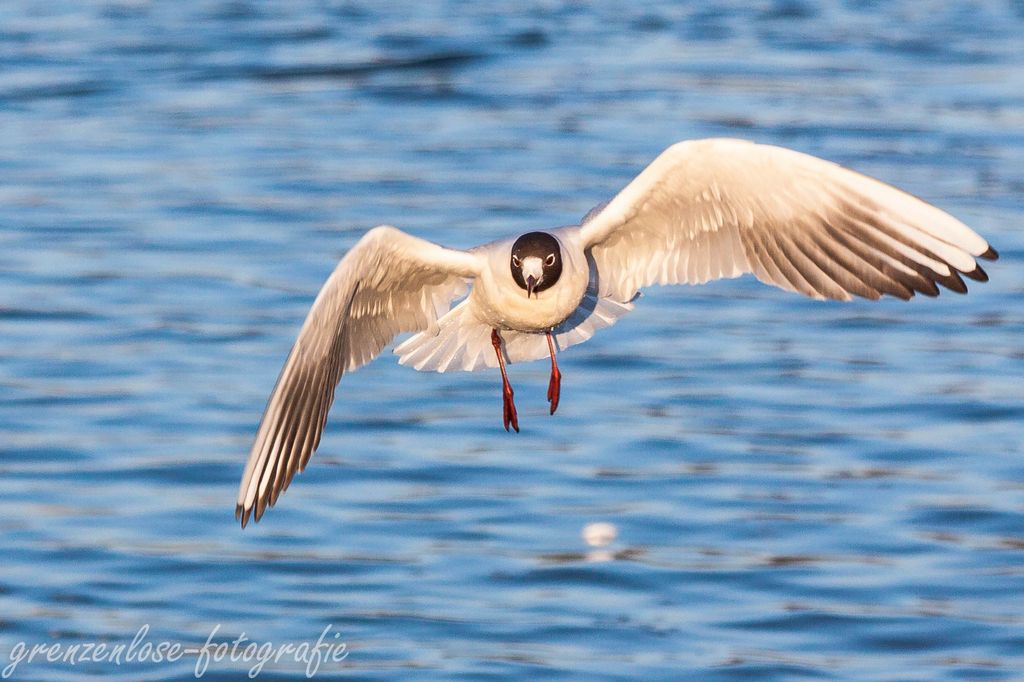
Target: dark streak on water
[802, 490]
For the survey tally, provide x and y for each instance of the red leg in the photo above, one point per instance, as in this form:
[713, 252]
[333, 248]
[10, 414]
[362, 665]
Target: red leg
[509, 415]
[555, 384]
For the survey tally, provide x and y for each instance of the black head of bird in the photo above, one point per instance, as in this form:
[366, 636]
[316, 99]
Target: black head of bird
[536, 262]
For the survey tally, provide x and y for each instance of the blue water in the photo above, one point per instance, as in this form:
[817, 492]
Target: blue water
[801, 489]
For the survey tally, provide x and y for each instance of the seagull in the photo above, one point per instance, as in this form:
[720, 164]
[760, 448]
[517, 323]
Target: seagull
[702, 210]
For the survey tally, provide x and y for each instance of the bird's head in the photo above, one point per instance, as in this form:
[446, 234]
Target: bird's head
[536, 262]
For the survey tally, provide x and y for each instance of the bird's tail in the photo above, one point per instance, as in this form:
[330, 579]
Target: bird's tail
[461, 342]
[458, 342]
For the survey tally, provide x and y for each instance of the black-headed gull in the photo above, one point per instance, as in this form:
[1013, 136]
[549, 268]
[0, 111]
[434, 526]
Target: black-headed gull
[703, 210]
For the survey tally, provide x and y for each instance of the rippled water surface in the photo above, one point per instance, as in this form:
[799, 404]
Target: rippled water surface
[801, 489]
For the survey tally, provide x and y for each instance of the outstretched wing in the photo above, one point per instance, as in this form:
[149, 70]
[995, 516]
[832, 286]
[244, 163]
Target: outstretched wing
[707, 209]
[388, 283]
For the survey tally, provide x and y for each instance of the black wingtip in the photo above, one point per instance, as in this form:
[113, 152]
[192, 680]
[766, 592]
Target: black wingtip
[977, 274]
[954, 282]
[991, 254]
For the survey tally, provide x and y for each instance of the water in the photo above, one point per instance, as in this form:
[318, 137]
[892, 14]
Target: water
[801, 490]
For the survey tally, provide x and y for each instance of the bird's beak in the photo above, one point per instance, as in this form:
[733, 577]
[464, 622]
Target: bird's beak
[532, 270]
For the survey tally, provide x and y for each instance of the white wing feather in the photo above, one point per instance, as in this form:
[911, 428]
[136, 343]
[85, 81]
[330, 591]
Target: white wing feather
[388, 283]
[707, 209]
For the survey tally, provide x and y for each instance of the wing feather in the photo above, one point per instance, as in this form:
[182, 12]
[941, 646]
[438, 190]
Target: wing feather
[708, 209]
[388, 283]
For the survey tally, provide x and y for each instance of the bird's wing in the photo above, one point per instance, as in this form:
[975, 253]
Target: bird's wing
[388, 283]
[706, 209]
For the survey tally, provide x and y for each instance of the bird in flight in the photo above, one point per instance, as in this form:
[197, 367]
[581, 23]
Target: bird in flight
[702, 210]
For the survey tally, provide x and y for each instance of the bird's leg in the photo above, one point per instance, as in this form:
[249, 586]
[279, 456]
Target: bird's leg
[555, 384]
[508, 406]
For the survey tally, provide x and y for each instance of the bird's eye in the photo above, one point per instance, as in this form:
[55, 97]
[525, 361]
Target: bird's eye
[550, 260]
[515, 261]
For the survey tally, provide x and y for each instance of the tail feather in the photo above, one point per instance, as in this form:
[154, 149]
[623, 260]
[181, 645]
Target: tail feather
[461, 342]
